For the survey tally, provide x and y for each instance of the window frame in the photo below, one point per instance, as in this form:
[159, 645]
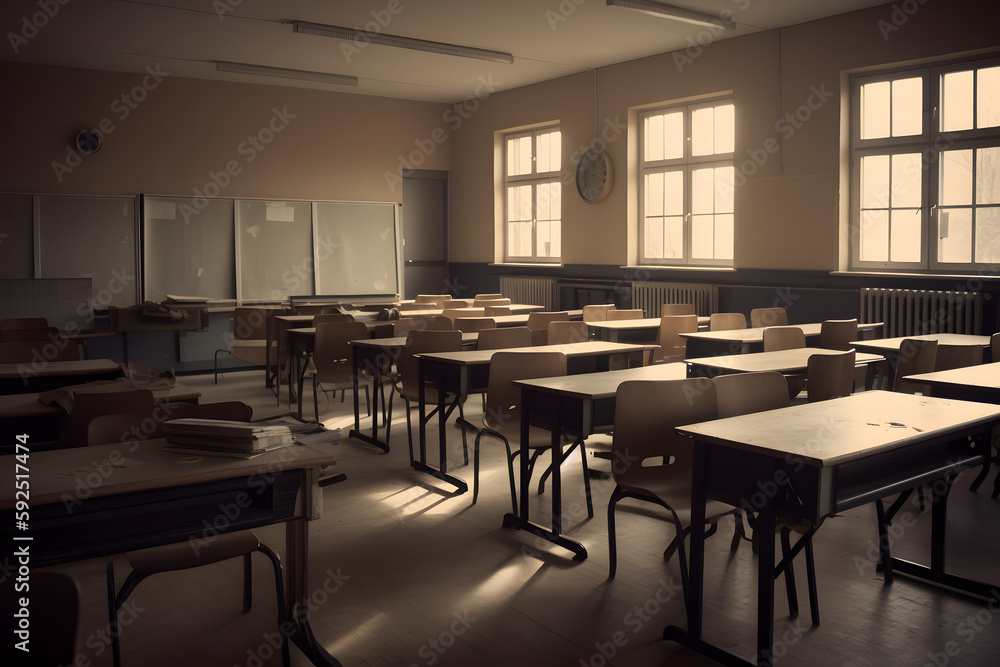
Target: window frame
[686, 164]
[534, 179]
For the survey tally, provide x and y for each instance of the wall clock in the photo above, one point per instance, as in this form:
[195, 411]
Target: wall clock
[88, 141]
[594, 176]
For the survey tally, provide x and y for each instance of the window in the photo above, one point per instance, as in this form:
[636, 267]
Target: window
[533, 206]
[926, 168]
[687, 193]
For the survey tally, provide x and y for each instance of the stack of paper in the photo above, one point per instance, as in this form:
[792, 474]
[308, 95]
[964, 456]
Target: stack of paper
[225, 438]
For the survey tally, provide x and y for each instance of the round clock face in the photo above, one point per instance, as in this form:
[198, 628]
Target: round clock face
[594, 176]
[88, 141]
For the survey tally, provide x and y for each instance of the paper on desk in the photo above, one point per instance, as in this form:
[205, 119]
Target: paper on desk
[319, 438]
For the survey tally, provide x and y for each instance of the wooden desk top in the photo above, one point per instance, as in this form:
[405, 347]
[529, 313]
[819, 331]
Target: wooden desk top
[982, 376]
[107, 470]
[828, 433]
[588, 348]
[596, 386]
[50, 368]
[892, 344]
[643, 323]
[781, 361]
[756, 334]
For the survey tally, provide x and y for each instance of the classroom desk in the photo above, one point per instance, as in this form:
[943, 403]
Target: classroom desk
[786, 362]
[578, 404]
[644, 330]
[160, 501]
[28, 377]
[737, 341]
[889, 347]
[467, 372]
[835, 455]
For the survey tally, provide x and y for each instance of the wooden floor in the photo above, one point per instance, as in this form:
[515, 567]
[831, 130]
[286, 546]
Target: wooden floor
[404, 572]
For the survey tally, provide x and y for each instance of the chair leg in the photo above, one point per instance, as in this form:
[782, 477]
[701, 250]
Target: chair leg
[409, 428]
[586, 481]
[981, 477]
[465, 443]
[316, 397]
[247, 584]
[388, 418]
[612, 546]
[811, 581]
[368, 401]
[510, 474]
[548, 470]
[113, 628]
[279, 586]
[883, 542]
[475, 468]
[793, 598]
[739, 532]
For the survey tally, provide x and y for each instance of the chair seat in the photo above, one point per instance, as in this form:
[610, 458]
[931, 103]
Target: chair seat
[184, 555]
[678, 497]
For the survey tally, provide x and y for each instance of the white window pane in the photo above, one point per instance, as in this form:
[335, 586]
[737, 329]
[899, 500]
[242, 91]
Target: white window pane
[907, 106]
[673, 135]
[653, 188]
[874, 236]
[955, 235]
[906, 177]
[905, 236]
[956, 101]
[702, 236]
[956, 178]
[543, 207]
[988, 176]
[702, 191]
[875, 181]
[725, 128]
[548, 147]
[654, 238]
[725, 190]
[673, 193]
[519, 239]
[703, 131]
[988, 97]
[988, 236]
[673, 238]
[519, 156]
[652, 133]
[724, 236]
[875, 110]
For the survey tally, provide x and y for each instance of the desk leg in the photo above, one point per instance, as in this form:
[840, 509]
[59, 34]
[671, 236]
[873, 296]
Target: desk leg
[297, 594]
[422, 465]
[356, 431]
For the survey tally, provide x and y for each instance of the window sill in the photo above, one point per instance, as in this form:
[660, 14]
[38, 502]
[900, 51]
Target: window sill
[904, 274]
[527, 264]
[676, 267]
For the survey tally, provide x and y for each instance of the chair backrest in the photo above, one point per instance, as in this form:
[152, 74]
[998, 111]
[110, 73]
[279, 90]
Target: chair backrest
[565, 331]
[783, 338]
[23, 352]
[503, 400]
[324, 318]
[627, 314]
[475, 323]
[123, 427]
[915, 356]
[497, 339]
[432, 298]
[768, 317]
[957, 356]
[726, 321]
[597, 312]
[87, 405]
[482, 303]
[457, 303]
[539, 320]
[995, 347]
[489, 297]
[332, 350]
[23, 323]
[678, 309]
[647, 413]
[673, 346]
[403, 307]
[404, 325]
[743, 393]
[423, 341]
[250, 323]
[29, 334]
[830, 375]
[497, 311]
[838, 334]
[455, 313]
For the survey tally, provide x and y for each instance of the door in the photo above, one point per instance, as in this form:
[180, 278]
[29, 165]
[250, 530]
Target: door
[425, 233]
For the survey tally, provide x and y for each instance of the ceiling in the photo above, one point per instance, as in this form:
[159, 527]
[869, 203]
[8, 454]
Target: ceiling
[548, 38]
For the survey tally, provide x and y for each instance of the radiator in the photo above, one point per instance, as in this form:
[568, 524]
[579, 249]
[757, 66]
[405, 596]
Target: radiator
[908, 312]
[650, 295]
[533, 290]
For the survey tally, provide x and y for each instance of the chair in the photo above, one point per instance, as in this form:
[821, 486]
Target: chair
[502, 417]
[189, 554]
[31, 351]
[504, 337]
[627, 314]
[29, 334]
[597, 312]
[830, 375]
[472, 324]
[678, 309]
[957, 356]
[432, 298]
[915, 356]
[482, 303]
[497, 311]
[23, 323]
[673, 346]
[324, 318]
[456, 303]
[565, 331]
[538, 322]
[726, 321]
[123, 427]
[332, 360]
[838, 334]
[783, 338]
[88, 405]
[404, 325]
[489, 297]
[646, 416]
[768, 317]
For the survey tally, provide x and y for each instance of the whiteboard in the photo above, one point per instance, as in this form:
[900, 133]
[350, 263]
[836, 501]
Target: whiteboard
[274, 249]
[357, 249]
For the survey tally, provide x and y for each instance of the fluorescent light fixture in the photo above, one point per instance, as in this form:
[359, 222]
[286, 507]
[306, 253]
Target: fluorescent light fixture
[282, 73]
[367, 37]
[674, 12]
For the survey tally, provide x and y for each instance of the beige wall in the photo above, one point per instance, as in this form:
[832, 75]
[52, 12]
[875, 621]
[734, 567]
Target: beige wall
[337, 147]
[788, 212]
